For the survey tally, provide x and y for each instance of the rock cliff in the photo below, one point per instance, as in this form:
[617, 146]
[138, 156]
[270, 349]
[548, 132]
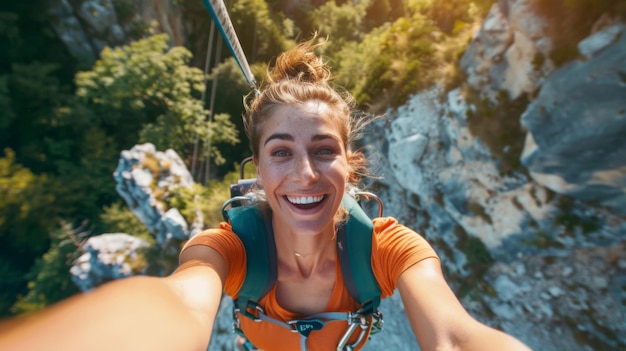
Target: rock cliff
[87, 26]
[555, 229]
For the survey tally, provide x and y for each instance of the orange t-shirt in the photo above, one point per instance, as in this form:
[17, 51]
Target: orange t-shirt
[394, 249]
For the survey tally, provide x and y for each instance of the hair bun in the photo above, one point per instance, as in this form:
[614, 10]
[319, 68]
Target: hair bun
[301, 64]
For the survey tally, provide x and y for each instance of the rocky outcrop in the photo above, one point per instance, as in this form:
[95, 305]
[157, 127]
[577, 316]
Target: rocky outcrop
[87, 26]
[509, 52]
[558, 269]
[108, 257]
[144, 178]
[577, 123]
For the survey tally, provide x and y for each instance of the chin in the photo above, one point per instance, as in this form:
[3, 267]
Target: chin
[310, 227]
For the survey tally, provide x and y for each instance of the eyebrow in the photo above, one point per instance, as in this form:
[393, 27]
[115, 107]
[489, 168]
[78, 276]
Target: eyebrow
[318, 137]
[289, 137]
[280, 136]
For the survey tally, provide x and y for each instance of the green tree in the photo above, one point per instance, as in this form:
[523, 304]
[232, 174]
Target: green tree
[118, 218]
[342, 24]
[26, 214]
[230, 90]
[49, 280]
[262, 34]
[145, 92]
[7, 116]
[447, 14]
[390, 63]
[35, 78]
[34, 94]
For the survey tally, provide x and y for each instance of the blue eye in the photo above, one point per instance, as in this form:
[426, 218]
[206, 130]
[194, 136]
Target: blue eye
[280, 153]
[326, 152]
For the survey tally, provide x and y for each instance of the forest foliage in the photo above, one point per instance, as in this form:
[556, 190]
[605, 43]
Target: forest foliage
[62, 126]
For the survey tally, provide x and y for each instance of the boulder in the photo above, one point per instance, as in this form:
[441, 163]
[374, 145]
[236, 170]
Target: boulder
[576, 127]
[108, 257]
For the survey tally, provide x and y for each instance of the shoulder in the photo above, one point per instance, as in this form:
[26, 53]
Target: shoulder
[384, 223]
[395, 248]
[388, 232]
[219, 238]
[391, 235]
[217, 244]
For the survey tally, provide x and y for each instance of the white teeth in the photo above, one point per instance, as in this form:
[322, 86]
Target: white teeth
[303, 200]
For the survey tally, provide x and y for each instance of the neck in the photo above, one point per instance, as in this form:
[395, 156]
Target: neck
[305, 253]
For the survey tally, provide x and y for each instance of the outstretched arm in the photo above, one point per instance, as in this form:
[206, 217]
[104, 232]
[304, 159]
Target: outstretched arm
[439, 320]
[138, 313]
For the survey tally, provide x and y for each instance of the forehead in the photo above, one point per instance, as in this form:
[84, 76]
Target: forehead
[308, 118]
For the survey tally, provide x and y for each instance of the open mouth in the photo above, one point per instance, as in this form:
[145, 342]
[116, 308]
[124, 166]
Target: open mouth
[305, 202]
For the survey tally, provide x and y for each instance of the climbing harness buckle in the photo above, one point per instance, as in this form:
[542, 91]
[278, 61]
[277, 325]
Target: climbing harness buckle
[305, 326]
[253, 312]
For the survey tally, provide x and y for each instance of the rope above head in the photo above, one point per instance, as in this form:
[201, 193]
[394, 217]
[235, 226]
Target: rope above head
[220, 16]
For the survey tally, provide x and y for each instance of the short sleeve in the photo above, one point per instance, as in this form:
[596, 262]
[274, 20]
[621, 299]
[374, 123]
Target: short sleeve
[229, 246]
[395, 248]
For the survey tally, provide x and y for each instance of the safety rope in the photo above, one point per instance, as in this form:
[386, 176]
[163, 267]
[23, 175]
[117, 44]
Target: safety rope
[207, 62]
[218, 12]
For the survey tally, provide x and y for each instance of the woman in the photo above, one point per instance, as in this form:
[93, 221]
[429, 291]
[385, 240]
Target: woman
[300, 130]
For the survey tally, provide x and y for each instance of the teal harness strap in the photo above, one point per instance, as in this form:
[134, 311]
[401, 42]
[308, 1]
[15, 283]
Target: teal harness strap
[354, 247]
[257, 237]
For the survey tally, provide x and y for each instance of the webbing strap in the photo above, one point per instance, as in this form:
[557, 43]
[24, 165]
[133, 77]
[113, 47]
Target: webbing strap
[354, 247]
[260, 252]
[316, 322]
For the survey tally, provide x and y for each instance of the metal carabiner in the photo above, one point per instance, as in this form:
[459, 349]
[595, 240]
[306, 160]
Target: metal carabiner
[355, 320]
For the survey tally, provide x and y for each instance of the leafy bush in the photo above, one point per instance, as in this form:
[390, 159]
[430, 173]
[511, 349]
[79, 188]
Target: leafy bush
[26, 214]
[391, 62]
[206, 199]
[118, 218]
[49, 279]
[341, 23]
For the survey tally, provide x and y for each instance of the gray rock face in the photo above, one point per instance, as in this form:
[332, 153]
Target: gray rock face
[558, 278]
[577, 126]
[87, 26]
[108, 257]
[502, 54]
[143, 179]
[598, 41]
[70, 31]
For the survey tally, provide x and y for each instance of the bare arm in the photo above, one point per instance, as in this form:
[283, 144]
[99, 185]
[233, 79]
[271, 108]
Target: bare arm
[139, 313]
[438, 319]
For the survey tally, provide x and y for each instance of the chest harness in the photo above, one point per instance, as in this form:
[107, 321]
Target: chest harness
[354, 248]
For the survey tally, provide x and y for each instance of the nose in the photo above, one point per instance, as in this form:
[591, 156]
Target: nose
[306, 170]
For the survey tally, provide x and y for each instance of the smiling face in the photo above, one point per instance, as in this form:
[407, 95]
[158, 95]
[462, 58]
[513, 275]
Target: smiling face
[302, 167]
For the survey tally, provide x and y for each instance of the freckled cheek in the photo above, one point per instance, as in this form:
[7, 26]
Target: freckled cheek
[337, 173]
[273, 173]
